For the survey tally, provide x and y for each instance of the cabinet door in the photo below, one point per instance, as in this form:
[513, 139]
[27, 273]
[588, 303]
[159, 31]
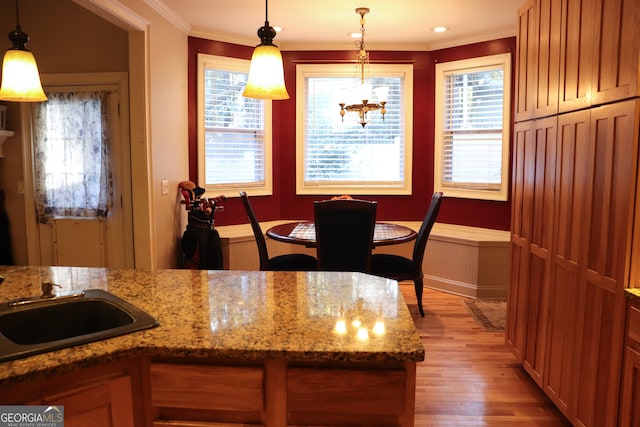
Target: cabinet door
[103, 404]
[526, 53]
[630, 402]
[576, 54]
[573, 160]
[516, 327]
[541, 174]
[630, 398]
[547, 65]
[616, 50]
[610, 201]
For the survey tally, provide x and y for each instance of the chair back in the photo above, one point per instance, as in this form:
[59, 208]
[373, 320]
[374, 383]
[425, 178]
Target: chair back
[257, 232]
[344, 234]
[425, 230]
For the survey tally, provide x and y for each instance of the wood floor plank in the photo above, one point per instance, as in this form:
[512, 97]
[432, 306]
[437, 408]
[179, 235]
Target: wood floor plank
[469, 377]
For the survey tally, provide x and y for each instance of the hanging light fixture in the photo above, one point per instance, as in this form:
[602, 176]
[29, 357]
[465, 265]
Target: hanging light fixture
[363, 88]
[20, 77]
[266, 73]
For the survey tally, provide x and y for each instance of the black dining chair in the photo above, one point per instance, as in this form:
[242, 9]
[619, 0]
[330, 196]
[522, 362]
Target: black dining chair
[286, 262]
[344, 234]
[401, 268]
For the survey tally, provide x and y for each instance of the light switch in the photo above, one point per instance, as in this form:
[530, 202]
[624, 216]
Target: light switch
[164, 190]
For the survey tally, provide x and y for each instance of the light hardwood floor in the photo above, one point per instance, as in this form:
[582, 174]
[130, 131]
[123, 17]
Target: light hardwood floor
[469, 377]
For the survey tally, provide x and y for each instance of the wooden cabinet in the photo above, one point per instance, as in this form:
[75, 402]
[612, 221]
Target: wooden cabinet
[532, 219]
[188, 393]
[575, 201]
[574, 54]
[106, 403]
[525, 59]
[99, 397]
[630, 398]
[274, 393]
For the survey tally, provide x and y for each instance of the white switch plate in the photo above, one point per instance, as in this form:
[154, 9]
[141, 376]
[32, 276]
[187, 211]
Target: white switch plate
[164, 190]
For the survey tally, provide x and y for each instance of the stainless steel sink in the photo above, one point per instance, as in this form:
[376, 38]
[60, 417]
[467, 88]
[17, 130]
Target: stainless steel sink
[37, 326]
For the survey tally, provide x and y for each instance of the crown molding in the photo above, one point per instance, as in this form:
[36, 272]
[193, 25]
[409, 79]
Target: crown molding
[116, 13]
[169, 14]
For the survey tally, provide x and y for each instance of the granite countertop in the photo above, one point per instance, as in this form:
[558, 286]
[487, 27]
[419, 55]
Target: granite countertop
[632, 294]
[230, 315]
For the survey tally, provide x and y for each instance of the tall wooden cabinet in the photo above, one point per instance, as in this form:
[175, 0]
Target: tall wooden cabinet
[574, 199]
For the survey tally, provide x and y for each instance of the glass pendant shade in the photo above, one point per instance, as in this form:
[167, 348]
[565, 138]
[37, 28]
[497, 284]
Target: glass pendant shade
[266, 74]
[20, 78]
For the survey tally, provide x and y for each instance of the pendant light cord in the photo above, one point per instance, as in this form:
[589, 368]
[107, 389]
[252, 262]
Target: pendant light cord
[17, 15]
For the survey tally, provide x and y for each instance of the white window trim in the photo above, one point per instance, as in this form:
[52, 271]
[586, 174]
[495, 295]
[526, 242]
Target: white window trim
[347, 70]
[238, 65]
[441, 69]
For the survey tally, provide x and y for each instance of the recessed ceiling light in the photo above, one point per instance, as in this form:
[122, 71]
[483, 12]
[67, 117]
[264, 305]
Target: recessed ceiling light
[278, 29]
[356, 35]
[439, 29]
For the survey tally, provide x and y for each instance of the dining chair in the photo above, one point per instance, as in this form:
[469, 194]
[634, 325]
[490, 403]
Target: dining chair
[344, 234]
[401, 268]
[286, 262]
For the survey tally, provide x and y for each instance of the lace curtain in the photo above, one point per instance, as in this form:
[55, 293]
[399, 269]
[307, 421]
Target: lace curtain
[72, 156]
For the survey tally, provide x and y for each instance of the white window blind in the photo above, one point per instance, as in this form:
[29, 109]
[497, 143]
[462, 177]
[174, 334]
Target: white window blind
[472, 133]
[234, 140]
[343, 156]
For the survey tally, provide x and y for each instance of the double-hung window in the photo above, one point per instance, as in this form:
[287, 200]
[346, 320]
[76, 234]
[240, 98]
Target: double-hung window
[472, 127]
[234, 132]
[340, 156]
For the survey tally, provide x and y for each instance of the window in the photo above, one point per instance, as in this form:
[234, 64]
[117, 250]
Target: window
[342, 157]
[472, 127]
[234, 132]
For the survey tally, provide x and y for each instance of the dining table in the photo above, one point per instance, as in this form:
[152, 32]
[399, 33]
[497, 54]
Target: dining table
[304, 233]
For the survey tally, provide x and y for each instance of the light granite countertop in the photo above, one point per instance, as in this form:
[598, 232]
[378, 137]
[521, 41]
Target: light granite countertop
[230, 315]
[632, 294]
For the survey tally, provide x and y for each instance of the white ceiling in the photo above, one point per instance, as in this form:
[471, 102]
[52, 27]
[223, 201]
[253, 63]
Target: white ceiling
[326, 24]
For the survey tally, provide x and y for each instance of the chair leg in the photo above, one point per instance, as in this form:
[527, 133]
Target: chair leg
[419, 286]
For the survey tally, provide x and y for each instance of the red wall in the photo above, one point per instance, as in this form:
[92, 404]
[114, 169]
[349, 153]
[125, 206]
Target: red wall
[285, 204]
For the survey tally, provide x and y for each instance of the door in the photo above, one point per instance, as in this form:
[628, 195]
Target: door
[103, 238]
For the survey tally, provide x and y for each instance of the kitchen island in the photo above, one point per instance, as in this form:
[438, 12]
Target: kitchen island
[234, 348]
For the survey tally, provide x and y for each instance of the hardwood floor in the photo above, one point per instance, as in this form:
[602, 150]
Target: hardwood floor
[469, 377]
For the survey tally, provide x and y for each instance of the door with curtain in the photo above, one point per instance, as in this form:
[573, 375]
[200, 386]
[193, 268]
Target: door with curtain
[81, 178]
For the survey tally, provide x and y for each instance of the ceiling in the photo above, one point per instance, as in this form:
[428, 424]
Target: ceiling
[326, 24]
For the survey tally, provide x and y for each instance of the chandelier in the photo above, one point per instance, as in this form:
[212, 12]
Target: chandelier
[363, 89]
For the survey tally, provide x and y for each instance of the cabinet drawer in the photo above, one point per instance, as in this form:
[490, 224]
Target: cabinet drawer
[346, 391]
[207, 387]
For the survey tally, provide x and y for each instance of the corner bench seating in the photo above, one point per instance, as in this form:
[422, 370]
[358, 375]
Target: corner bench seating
[468, 261]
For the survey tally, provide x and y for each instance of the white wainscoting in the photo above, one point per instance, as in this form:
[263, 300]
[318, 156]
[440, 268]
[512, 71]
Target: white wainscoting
[468, 261]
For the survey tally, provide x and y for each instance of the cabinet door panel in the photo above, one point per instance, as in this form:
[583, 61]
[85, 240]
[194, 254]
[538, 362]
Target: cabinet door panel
[576, 54]
[630, 403]
[548, 19]
[542, 176]
[105, 404]
[616, 50]
[574, 155]
[608, 241]
[525, 61]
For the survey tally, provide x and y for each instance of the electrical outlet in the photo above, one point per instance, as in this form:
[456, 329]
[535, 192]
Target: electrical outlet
[164, 189]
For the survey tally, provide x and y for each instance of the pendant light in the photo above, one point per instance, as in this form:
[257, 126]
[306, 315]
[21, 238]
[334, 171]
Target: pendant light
[20, 77]
[266, 73]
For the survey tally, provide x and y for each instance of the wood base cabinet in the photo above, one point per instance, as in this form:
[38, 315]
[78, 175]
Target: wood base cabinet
[630, 399]
[96, 397]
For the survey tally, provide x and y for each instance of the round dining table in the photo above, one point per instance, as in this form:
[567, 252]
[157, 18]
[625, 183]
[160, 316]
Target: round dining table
[304, 233]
